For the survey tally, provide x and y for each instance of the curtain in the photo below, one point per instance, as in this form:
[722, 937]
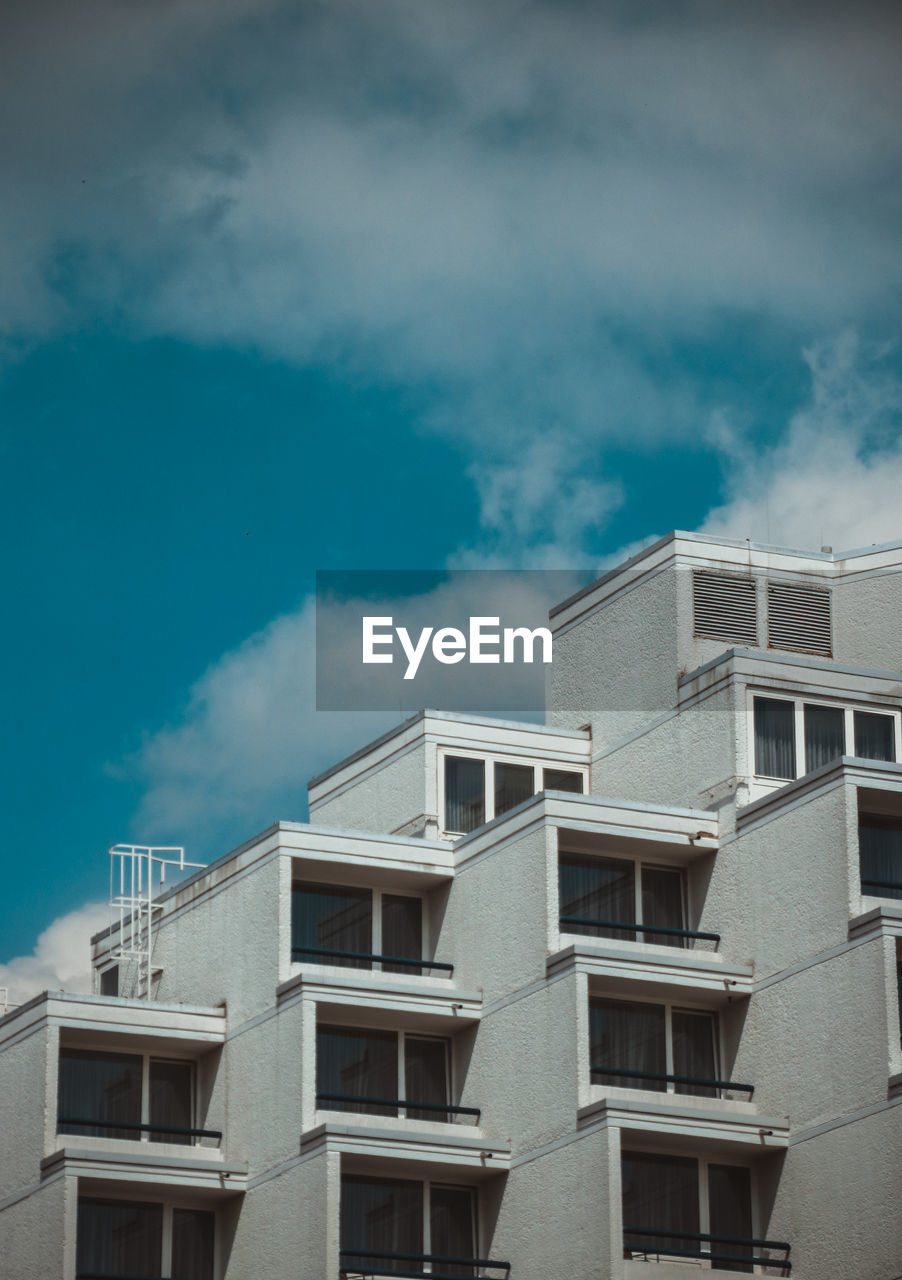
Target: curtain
[451, 1225]
[426, 1076]
[730, 1202]
[562, 780]
[99, 1086]
[402, 931]
[627, 1034]
[598, 889]
[825, 736]
[662, 904]
[357, 1063]
[380, 1214]
[513, 784]
[874, 736]
[171, 1089]
[193, 1233]
[693, 1051]
[880, 855]
[332, 917]
[118, 1239]
[659, 1192]
[775, 747]
[464, 793]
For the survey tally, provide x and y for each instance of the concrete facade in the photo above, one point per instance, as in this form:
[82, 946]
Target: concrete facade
[773, 944]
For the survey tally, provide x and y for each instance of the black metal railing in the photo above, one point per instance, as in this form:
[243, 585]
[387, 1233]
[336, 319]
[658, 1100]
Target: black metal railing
[96, 1123]
[748, 1258]
[654, 1075]
[445, 1107]
[640, 928]
[883, 884]
[363, 955]
[108, 1275]
[350, 1270]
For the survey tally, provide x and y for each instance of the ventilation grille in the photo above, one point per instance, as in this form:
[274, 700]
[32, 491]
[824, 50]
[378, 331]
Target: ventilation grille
[799, 618]
[724, 608]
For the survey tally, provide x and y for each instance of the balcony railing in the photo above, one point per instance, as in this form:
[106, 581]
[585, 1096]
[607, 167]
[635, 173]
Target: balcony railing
[95, 1123]
[640, 928]
[405, 961]
[361, 1264]
[748, 1258]
[669, 1079]
[360, 1099]
[894, 886]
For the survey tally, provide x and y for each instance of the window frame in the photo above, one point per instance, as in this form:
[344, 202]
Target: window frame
[670, 1006]
[401, 1034]
[168, 1207]
[376, 892]
[639, 863]
[147, 1056]
[489, 759]
[799, 701]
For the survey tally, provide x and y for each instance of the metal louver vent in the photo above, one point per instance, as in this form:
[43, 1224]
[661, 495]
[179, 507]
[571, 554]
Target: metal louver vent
[799, 618]
[724, 608]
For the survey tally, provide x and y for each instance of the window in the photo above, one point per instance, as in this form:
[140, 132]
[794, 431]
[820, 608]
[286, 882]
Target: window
[118, 1238]
[357, 928]
[613, 898]
[104, 1094]
[692, 1199]
[788, 730]
[880, 855]
[478, 790]
[109, 981]
[360, 1069]
[636, 1045]
[382, 1218]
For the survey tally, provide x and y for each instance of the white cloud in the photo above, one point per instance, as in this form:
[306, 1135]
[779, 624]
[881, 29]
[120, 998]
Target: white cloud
[61, 959]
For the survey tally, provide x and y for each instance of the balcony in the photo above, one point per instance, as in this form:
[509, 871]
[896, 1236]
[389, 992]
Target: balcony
[364, 1265]
[730, 1253]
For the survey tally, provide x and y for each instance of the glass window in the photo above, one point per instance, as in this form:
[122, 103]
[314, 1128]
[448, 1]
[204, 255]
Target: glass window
[171, 1088]
[627, 1034]
[402, 931]
[109, 981]
[662, 904]
[775, 747]
[660, 1194]
[694, 1035]
[193, 1242]
[880, 855]
[597, 889]
[730, 1202]
[464, 793]
[332, 918]
[452, 1225]
[98, 1087]
[360, 1064]
[875, 737]
[825, 737]
[119, 1239]
[381, 1217]
[426, 1076]
[513, 784]
[562, 780]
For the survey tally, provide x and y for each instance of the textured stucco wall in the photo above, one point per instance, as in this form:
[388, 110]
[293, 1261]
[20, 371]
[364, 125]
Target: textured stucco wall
[33, 1233]
[866, 622]
[27, 1106]
[389, 797]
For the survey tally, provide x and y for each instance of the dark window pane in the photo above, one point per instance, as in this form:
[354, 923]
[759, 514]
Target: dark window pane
[730, 1200]
[825, 737]
[109, 981]
[875, 737]
[118, 1239]
[464, 793]
[193, 1234]
[626, 1034]
[775, 746]
[693, 1051]
[513, 784]
[380, 1214]
[358, 1064]
[451, 1222]
[426, 1076]
[563, 780]
[99, 1087]
[402, 931]
[598, 889]
[662, 904]
[171, 1086]
[880, 855]
[331, 918]
[660, 1193]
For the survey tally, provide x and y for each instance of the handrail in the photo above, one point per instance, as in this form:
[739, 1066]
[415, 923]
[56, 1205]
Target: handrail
[654, 1075]
[363, 955]
[107, 1275]
[640, 928]
[882, 884]
[750, 1259]
[418, 1257]
[144, 1128]
[399, 1102]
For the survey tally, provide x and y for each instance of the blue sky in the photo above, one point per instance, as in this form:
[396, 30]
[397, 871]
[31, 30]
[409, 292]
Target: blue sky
[291, 286]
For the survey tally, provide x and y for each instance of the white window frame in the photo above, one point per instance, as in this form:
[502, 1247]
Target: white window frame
[670, 1007]
[638, 863]
[168, 1207]
[376, 895]
[799, 702]
[146, 1056]
[402, 1036]
[489, 760]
